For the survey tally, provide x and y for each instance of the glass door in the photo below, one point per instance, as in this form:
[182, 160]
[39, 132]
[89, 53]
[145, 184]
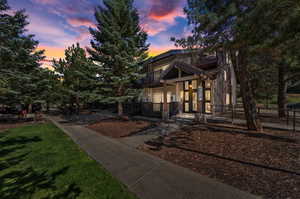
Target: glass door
[190, 103]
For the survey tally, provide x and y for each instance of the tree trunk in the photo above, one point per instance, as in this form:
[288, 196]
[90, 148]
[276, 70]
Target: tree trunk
[30, 108]
[77, 105]
[282, 91]
[120, 109]
[47, 106]
[249, 103]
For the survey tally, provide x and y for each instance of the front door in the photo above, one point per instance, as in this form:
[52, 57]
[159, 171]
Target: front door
[190, 96]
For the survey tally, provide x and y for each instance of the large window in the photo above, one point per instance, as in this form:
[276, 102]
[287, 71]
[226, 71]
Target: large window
[195, 101]
[208, 97]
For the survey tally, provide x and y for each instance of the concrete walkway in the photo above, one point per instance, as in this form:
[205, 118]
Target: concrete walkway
[145, 175]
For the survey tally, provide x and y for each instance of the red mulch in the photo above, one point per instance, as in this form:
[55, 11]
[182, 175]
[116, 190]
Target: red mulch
[6, 126]
[229, 157]
[119, 128]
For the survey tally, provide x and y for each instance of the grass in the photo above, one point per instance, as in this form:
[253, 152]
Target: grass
[294, 98]
[40, 162]
[291, 99]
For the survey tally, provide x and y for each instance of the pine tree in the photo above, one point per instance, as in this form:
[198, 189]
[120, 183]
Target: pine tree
[18, 57]
[78, 77]
[48, 87]
[119, 46]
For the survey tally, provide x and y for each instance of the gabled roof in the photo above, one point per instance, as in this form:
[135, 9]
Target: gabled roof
[187, 69]
[171, 53]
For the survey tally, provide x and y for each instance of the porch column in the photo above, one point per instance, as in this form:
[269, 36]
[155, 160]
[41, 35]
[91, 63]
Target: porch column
[200, 108]
[165, 112]
[178, 99]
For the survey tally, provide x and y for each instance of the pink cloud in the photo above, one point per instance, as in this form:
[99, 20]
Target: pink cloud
[162, 8]
[161, 16]
[50, 2]
[80, 21]
[153, 27]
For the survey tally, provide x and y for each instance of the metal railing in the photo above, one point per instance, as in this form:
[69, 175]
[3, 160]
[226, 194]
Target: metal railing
[150, 109]
[266, 115]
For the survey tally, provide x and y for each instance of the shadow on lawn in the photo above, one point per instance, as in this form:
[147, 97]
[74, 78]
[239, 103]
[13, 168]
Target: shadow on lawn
[28, 182]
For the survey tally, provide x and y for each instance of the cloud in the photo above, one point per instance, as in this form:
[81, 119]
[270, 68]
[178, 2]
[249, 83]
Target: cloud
[49, 32]
[161, 9]
[81, 21]
[46, 2]
[161, 15]
[153, 27]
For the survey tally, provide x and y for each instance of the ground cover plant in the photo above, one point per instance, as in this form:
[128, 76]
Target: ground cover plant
[39, 161]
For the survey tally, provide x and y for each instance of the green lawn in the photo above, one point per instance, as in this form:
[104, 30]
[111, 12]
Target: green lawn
[40, 162]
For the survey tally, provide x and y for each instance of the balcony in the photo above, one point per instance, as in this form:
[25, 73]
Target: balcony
[153, 78]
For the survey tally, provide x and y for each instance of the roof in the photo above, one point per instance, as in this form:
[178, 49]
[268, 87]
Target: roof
[207, 62]
[171, 53]
[187, 69]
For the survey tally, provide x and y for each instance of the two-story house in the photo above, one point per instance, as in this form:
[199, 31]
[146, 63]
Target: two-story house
[188, 81]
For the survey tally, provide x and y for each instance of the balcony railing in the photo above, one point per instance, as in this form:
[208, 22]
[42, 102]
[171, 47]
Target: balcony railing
[153, 77]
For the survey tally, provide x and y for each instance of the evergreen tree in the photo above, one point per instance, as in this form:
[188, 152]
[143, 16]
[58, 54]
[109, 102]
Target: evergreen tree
[119, 46]
[19, 60]
[48, 87]
[78, 77]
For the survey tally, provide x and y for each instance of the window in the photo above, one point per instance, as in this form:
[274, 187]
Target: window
[195, 102]
[207, 84]
[186, 85]
[186, 107]
[207, 95]
[208, 107]
[156, 107]
[187, 96]
[163, 67]
[157, 97]
[181, 95]
[194, 84]
[227, 98]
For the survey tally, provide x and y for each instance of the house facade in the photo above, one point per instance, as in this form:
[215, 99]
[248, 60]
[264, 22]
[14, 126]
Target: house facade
[188, 81]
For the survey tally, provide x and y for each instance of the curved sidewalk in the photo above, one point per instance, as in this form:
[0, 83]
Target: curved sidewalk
[147, 176]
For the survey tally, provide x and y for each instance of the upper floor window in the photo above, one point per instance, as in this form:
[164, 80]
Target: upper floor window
[162, 67]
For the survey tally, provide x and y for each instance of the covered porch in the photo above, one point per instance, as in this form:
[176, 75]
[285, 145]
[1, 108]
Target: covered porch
[185, 90]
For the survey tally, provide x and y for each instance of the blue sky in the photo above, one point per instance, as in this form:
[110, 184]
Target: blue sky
[58, 24]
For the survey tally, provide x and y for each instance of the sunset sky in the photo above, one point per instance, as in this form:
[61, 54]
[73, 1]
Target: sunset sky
[58, 24]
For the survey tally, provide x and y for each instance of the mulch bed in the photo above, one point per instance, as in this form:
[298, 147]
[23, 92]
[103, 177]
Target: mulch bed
[119, 128]
[261, 163]
[5, 126]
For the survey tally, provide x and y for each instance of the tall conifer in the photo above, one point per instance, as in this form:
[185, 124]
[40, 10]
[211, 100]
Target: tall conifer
[119, 47]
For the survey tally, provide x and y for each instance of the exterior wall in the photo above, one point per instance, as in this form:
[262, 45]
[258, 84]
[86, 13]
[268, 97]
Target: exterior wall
[155, 95]
[218, 90]
[225, 84]
[223, 87]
